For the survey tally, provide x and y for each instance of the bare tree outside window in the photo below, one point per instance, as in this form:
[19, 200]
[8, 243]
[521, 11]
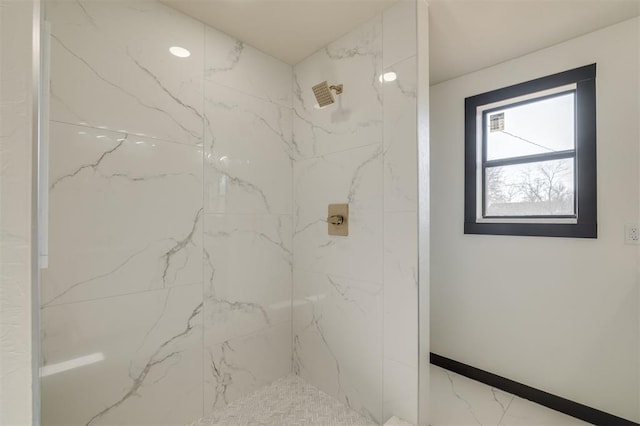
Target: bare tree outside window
[543, 188]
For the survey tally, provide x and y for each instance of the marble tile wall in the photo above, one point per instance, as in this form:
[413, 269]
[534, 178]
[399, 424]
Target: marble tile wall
[248, 248]
[400, 57]
[355, 298]
[338, 281]
[188, 201]
[170, 217]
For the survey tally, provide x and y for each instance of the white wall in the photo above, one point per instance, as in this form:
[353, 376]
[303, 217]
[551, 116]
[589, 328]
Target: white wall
[557, 314]
[15, 212]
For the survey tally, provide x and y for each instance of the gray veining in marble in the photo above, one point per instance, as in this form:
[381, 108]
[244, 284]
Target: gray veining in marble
[155, 360]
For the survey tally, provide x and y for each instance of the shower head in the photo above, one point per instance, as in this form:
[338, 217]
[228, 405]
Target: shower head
[322, 92]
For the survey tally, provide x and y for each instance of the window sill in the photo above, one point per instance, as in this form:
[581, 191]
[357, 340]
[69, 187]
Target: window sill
[534, 221]
[576, 230]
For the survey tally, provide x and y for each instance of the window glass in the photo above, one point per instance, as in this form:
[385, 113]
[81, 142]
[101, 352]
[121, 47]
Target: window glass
[535, 127]
[544, 188]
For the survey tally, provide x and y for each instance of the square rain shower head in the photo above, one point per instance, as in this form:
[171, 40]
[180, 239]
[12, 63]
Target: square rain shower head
[323, 94]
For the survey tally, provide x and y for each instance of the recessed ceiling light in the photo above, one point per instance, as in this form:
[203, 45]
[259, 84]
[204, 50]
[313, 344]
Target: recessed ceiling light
[388, 77]
[180, 52]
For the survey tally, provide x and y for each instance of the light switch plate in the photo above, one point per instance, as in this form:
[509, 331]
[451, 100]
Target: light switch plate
[341, 230]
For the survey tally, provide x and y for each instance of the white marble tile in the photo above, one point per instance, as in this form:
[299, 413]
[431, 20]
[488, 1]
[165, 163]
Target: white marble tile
[234, 64]
[526, 413]
[456, 400]
[401, 316]
[238, 366]
[353, 177]
[338, 338]
[248, 147]
[355, 119]
[399, 32]
[125, 214]
[401, 287]
[400, 391]
[134, 359]
[111, 68]
[247, 274]
[400, 139]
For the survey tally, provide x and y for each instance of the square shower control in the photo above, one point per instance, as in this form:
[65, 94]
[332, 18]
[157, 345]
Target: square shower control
[338, 219]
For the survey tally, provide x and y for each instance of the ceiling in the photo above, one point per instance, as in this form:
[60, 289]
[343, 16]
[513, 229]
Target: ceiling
[468, 35]
[289, 30]
[464, 35]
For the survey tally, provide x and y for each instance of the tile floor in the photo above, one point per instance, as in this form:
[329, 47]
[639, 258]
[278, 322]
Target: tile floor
[289, 401]
[455, 401]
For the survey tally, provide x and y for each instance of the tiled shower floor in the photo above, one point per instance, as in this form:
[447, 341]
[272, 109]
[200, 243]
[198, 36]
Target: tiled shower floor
[289, 401]
[455, 401]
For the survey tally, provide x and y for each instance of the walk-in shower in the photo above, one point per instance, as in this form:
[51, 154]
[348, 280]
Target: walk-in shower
[189, 262]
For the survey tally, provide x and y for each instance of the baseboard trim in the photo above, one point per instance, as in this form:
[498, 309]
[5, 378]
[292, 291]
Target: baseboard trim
[571, 408]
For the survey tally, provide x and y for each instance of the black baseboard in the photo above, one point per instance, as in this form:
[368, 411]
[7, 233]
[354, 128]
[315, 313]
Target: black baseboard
[571, 408]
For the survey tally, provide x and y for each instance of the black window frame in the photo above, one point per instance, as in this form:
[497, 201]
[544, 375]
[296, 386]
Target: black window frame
[584, 154]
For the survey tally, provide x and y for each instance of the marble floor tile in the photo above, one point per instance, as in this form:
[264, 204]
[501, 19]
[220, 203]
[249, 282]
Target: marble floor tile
[456, 400]
[460, 401]
[526, 413]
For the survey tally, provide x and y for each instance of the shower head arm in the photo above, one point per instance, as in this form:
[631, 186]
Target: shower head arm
[337, 88]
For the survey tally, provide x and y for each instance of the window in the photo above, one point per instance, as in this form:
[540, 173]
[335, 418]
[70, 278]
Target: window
[530, 158]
